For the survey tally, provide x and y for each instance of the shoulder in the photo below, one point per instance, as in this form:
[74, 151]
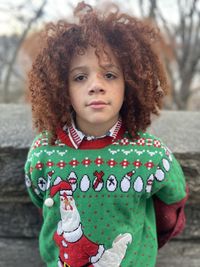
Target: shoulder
[41, 151]
[43, 141]
[151, 147]
[40, 144]
[145, 148]
[42, 148]
[148, 141]
[144, 140]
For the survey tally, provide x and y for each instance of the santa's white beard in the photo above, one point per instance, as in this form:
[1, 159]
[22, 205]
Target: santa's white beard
[70, 218]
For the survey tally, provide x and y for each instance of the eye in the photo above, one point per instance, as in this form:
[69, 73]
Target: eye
[110, 76]
[80, 77]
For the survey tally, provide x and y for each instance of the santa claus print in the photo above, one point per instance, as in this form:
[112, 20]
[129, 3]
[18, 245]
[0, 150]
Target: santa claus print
[75, 249]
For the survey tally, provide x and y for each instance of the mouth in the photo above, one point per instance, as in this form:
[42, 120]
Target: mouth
[97, 104]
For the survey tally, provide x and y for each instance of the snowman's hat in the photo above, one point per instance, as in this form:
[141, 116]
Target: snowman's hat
[51, 173]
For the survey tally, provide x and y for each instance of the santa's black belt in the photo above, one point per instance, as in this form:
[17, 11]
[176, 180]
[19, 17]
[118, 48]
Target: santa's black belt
[67, 265]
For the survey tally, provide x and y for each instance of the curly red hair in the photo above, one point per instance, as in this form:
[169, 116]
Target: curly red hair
[132, 42]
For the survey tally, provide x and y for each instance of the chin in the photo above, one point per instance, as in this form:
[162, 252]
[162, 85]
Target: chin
[101, 119]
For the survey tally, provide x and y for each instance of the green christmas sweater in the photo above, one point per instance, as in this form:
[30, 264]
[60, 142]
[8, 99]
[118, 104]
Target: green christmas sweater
[97, 201]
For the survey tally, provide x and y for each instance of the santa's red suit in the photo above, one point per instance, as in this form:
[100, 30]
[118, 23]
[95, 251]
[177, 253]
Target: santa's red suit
[76, 250]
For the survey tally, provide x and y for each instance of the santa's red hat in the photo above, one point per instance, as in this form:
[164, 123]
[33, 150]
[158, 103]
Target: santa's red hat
[63, 187]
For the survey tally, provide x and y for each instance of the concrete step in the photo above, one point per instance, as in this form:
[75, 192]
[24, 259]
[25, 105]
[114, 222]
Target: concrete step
[24, 252]
[179, 254]
[19, 253]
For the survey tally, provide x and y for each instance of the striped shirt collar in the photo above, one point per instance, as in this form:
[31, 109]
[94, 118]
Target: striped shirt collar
[76, 136]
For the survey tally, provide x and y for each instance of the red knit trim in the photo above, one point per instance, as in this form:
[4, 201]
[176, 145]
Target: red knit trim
[77, 140]
[90, 144]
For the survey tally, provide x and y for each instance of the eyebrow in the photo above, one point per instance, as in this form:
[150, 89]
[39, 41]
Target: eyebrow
[105, 66]
[79, 68]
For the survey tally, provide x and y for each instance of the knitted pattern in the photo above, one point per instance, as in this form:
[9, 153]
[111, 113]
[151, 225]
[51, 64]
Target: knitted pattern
[97, 203]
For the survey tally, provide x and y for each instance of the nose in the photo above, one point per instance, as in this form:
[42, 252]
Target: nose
[97, 86]
[96, 90]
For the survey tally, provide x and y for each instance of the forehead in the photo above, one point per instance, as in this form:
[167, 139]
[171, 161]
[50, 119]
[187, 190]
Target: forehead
[95, 56]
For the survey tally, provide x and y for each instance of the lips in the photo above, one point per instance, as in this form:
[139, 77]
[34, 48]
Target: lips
[97, 104]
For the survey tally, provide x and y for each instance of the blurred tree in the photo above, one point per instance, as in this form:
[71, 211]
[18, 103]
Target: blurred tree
[183, 42]
[28, 22]
[179, 47]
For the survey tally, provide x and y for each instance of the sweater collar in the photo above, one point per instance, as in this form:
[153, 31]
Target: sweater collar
[116, 132]
[77, 137]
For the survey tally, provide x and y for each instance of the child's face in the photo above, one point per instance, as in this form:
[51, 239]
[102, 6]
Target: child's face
[96, 91]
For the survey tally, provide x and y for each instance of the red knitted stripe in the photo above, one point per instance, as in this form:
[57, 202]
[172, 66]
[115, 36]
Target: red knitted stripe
[92, 144]
[118, 126]
[75, 136]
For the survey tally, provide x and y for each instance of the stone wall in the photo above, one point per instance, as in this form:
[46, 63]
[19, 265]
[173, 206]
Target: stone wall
[19, 218]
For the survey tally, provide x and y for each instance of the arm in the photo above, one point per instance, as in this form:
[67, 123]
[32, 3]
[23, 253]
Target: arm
[33, 175]
[169, 192]
[170, 219]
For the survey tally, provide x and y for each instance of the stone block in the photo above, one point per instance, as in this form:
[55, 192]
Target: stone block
[19, 219]
[25, 253]
[179, 130]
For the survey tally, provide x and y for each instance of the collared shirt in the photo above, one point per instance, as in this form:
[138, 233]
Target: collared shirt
[76, 136]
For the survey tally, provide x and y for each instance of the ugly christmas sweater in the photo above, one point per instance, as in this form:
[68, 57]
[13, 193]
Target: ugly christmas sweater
[98, 200]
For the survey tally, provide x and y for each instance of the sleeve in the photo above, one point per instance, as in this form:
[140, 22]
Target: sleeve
[170, 219]
[169, 181]
[35, 183]
[170, 194]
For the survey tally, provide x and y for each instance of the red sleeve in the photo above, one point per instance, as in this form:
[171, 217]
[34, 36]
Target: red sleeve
[90, 247]
[170, 219]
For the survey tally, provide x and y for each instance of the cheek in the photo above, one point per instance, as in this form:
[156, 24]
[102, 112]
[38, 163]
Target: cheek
[74, 104]
[121, 93]
[73, 97]
[77, 103]
[72, 100]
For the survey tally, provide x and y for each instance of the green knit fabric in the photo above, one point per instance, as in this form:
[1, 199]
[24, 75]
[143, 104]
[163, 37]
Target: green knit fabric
[118, 202]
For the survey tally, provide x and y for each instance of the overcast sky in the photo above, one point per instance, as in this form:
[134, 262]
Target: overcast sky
[57, 9]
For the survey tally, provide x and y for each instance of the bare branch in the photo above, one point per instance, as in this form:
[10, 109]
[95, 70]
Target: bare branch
[14, 56]
[185, 43]
[195, 90]
[188, 33]
[169, 32]
[153, 7]
[141, 6]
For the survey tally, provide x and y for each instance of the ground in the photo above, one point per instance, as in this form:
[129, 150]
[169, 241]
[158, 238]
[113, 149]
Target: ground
[23, 253]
